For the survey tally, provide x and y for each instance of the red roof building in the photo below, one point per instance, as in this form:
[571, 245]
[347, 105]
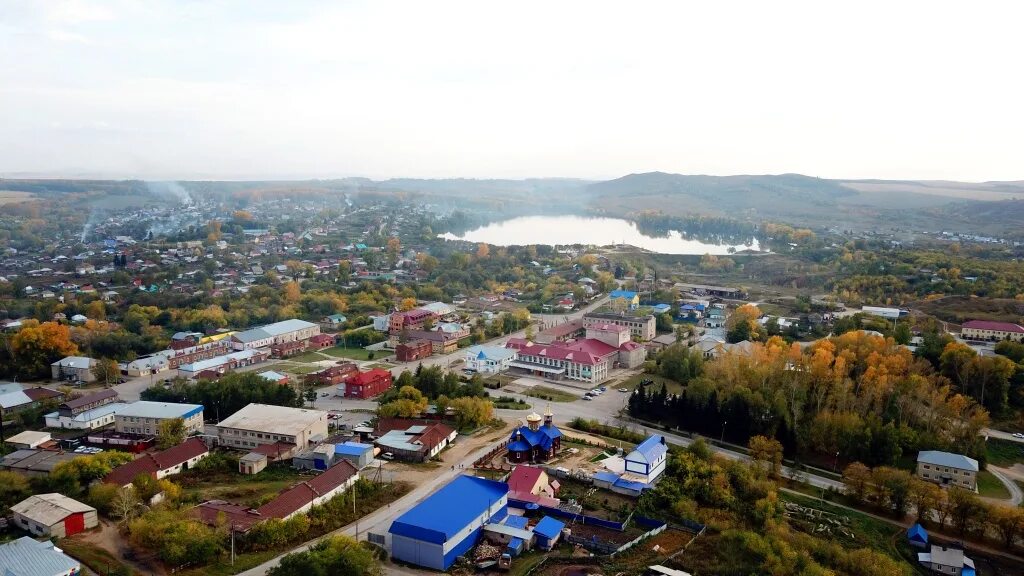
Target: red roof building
[171, 461]
[367, 384]
[306, 494]
[321, 341]
[987, 330]
[332, 376]
[409, 320]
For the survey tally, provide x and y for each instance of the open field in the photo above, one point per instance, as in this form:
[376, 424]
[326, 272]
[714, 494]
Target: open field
[355, 353]
[11, 196]
[545, 393]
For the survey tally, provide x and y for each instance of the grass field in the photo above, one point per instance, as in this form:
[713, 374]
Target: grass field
[355, 353]
[11, 196]
[545, 393]
[1004, 452]
[292, 367]
[507, 403]
[990, 486]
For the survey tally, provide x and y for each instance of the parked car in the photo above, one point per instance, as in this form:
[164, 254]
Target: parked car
[588, 397]
[387, 456]
[623, 390]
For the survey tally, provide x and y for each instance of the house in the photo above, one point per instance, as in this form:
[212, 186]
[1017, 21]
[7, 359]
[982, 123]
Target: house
[414, 319]
[258, 424]
[73, 369]
[917, 536]
[533, 442]
[448, 523]
[28, 557]
[367, 384]
[626, 298]
[53, 515]
[489, 359]
[320, 342]
[991, 331]
[413, 350]
[948, 469]
[641, 327]
[947, 561]
[413, 440]
[29, 439]
[145, 417]
[648, 458]
[174, 460]
[333, 322]
[441, 342]
[706, 290]
[381, 322]
[547, 532]
[531, 484]
[220, 365]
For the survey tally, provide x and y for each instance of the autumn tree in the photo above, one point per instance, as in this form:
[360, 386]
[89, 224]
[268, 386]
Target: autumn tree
[472, 412]
[742, 323]
[965, 509]
[36, 346]
[766, 453]
[126, 505]
[482, 250]
[857, 477]
[172, 432]
[1008, 522]
[106, 371]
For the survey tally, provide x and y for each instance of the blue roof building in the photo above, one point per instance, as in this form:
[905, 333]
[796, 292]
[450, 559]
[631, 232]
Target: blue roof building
[632, 298]
[533, 442]
[917, 536]
[547, 532]
[359, 454]
[448, 522]
[648, 458]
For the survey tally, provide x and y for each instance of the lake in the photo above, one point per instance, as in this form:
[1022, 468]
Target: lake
[562, 230]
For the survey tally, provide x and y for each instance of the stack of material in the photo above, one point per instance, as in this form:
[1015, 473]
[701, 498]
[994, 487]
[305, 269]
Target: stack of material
[486, 552]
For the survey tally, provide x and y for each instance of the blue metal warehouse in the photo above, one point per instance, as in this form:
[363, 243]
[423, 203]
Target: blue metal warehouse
[448, 523]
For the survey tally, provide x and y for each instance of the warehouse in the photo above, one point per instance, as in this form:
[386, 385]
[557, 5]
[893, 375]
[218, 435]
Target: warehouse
[258, 424]
[53, 515]
[448, 523]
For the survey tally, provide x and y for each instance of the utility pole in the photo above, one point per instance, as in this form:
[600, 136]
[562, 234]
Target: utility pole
[232, 544]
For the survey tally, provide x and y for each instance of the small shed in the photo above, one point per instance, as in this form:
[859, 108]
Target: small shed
[252, 463]
[547, 532]
[359, 454]
[917, 536]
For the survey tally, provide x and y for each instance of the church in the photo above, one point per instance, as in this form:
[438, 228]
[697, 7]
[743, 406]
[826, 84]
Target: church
[534, 442]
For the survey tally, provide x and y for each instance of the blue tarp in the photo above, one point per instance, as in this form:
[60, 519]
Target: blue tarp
[517, 522]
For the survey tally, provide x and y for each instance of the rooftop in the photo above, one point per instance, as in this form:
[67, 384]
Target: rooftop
[147, 409]
[89, 399]
[149, 464]
[947, 459]
[30, 437]
[273, 419]
[652, 448]
[450, 509]
[74, 362]
[995, 326]
[48, 509]
[28, 557]
[301, 494]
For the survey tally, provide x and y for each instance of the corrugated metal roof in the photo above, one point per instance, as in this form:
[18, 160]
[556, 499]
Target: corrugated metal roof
[447, 511]
[48, 509]
[273, 419]
[548, 527]
[652, 448]
[947, 459]
[27, 557]
[146, 409]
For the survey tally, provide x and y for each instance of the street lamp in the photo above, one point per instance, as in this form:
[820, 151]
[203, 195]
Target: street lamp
[835, 465]
[722, 439]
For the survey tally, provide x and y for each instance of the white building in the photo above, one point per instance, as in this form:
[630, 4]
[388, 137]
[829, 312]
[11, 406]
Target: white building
[53, 515]
[88, 420]
[145, 417]
[74, 368]
[489, 359]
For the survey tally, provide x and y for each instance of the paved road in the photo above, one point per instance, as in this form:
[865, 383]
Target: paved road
[1001, 435]
[1016, 495]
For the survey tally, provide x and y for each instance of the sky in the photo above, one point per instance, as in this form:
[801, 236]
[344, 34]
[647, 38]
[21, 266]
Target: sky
[255, 89]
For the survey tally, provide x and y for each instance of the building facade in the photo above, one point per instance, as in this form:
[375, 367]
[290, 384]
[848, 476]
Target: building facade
[258, 424]
[489, 359]
[144, 417]
[948, 469]
[991, 331]
[367, 384]
[641, 327]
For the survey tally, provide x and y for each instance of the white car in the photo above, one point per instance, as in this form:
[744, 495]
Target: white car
[623, 390]
[588, 397]
[1018, 435]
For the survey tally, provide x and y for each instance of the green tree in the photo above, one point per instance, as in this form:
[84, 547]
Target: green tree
[334, 556]
[172, 432]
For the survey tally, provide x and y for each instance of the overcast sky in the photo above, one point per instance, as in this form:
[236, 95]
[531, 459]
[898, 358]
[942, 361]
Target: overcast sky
[588, 89]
